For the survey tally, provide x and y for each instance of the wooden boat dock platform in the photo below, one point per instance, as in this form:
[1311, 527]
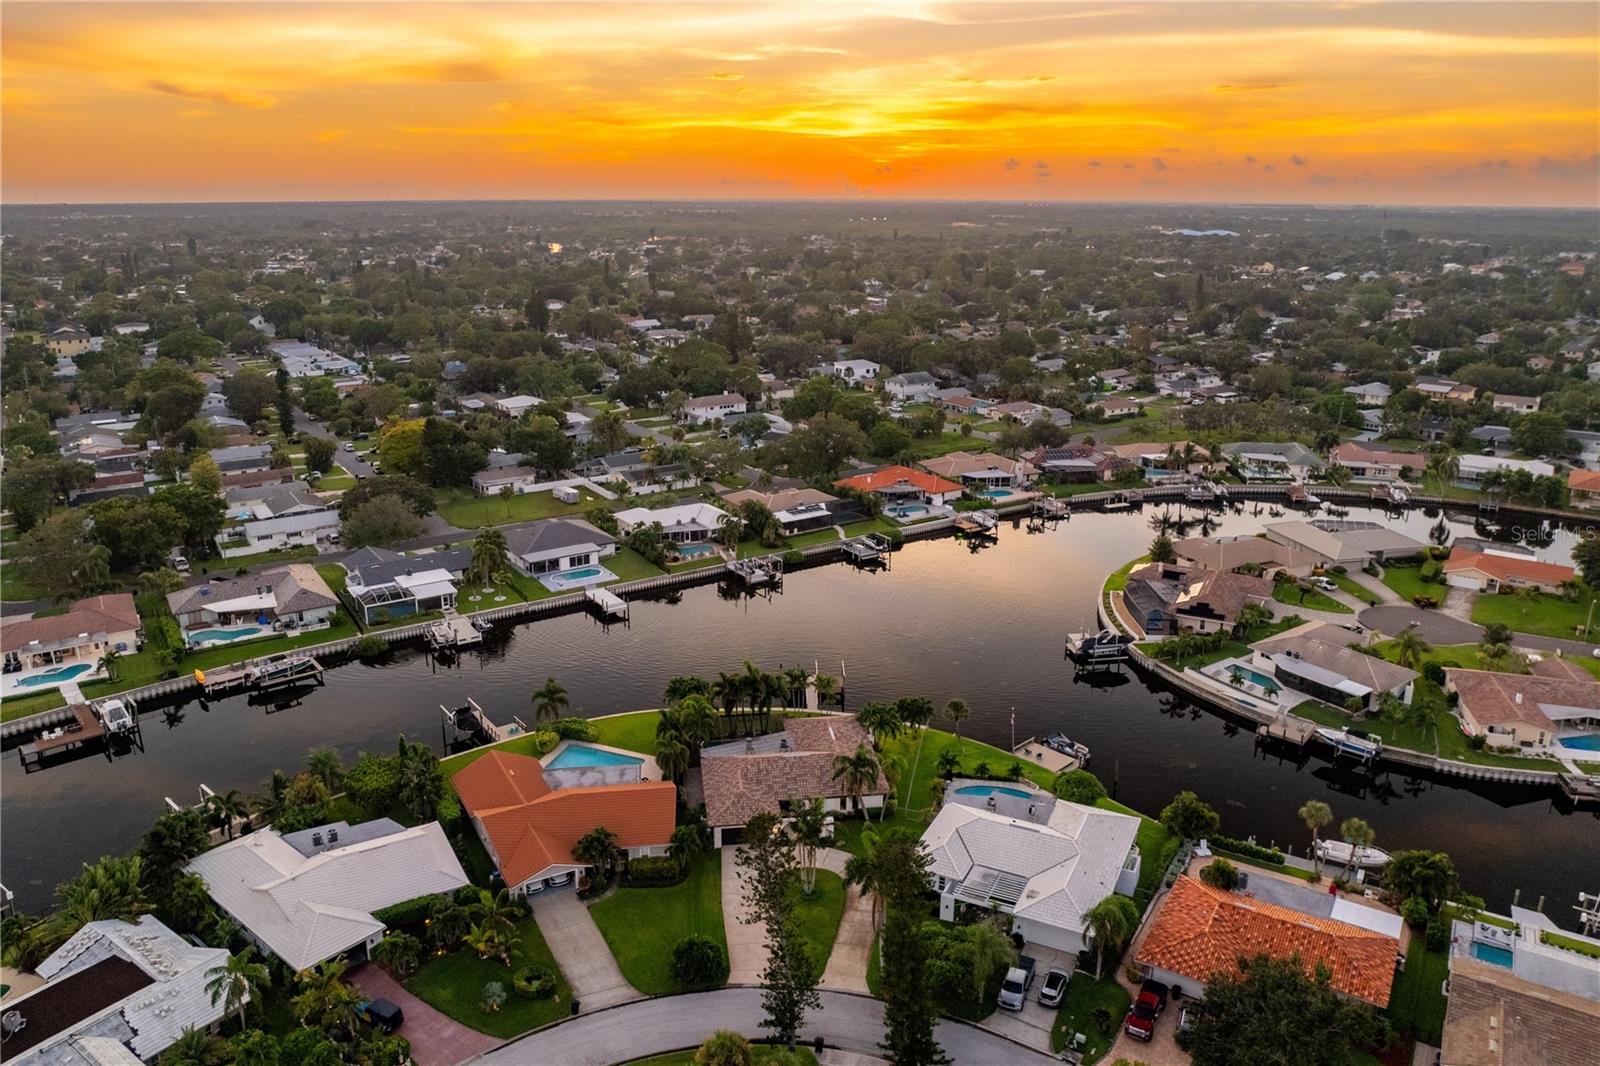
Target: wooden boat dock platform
[453, 631]
[764, 570]
[977, 523]
[1580, 788]
[1036, 752]
[274, 671]
[608, 603]
[1289, 729]
[85, 729]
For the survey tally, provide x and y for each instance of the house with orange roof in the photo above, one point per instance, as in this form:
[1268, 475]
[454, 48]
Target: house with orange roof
[1493, 571]
[1584, 486]
[530, 825]
[1202, 931]
[902, 484]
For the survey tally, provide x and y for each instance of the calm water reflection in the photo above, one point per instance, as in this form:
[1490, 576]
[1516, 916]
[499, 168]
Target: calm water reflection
[944, 621]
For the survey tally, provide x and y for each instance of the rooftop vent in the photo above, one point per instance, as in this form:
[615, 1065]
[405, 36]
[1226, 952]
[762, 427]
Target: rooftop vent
[316, 839]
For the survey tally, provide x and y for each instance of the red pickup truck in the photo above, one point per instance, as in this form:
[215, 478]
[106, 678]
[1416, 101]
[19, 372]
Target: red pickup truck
[1141, 1020]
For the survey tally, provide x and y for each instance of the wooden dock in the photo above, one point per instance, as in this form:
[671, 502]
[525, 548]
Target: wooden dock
[1035, 751]
[977, 523]
[763, 570]
[470, 723]
[1580, 788]
[84, 730]
[1289, 729]
[609, 604]
[453, 631]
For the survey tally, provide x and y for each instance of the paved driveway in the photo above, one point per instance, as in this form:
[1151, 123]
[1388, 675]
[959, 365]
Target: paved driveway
[581, 952]
[436, 1039]
[669, 1023]
[747, 941]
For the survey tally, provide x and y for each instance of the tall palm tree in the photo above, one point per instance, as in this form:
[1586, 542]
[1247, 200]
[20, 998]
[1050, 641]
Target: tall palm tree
[727, 690]
[1409, 648]
[109, 889]
[672, 756]
[795, 679]
[882, 720]
[398, 952]
[1315, 814]
[549, 700]
[827, 687]
[318, 985]
[499, 910]
[808, 825]
[697, 723]
[488, 556]
[323, 762]
[226, 809]
[341, 1007]
[1358, 834]
[858, 772]
[196, 1047]
[957, 711]
[1110, 922]
[238, 981]
[598, 848]
[864, 871]
[688, 843]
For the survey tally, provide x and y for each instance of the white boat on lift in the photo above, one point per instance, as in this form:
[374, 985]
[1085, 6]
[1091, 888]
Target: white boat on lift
[1337, 853]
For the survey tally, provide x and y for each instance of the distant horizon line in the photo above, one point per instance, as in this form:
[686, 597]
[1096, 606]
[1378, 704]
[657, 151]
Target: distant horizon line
[821, 201]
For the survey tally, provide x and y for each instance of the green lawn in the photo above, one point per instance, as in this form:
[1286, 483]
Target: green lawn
[1313, 599]
[806, 540]
[1568, 943]
[454, 985]
[1119, 580]
[1587, 767]
[1545, 616]
[1355, 588]
[629, 565]
[635, 732]
[945, 443]
[1407, 581]
[643, 925]
[818, 917]
[1416, 1005]
[466, 510]
[1085, 999]
[267, 558]
[22, 706]
[501, 594]
[871, 525]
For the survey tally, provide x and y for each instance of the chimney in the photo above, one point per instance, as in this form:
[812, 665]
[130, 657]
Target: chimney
[1518, 698]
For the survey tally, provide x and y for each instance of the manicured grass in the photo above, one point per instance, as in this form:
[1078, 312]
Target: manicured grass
[454, 984]
[1416, 1005]
[635, 732]
[871, 525]
[1276, 867]
[1118, 581]
[1545, 616]
[471, 597]
[643, 925]
[945, 443]
[1355, 588]
[22, 706]
[268, 558]
[1084, 999]
[1313, 599]
[629, 565]
[1568, 943]
[465, 510]
[806, 540]
[1586, 766]
[817, 917]
[1407, 581]
[335, 482]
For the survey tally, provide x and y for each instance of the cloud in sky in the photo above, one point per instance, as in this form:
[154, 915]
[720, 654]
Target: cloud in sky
[1012, 164]
[1093, 163]
[1157, 163]
[1298, 160]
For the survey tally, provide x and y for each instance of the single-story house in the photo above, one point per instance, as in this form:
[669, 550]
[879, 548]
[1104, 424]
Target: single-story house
[1156, 455]
[682, 523]
[1584, 486]
[982, 470]
[242, 458]
[1042, 860]
[285, 597]
[1440, 390]
[704, 409]
[1316, 659]
[1505, 401]
[797, 510]
[1344, 543]
[37, 649]
[1492, 571]
[772, 773]
[911, 387]
[899, 484]
[1470, 469]
[1167, 598]
[304, 360]
[519, 479]
[381, 580]
[530, 825]
[1078, 463]
[106, 486]
[1272, 460]
[1233, 552]
[115, 994]
[1523, 710]
[557, 544]
[1493, 1017]
[965, 404]
[1370, 394]
[282, 475]
[1373, 462]
[303, 519]
[308, 896]
[1199, 931]
[516, 406]
[1117, 407]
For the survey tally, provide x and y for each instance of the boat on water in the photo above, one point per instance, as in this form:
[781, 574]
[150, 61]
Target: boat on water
[1104, 646]
[1337, 853]
[1347, 743]
[115, 714]
[1065, 745]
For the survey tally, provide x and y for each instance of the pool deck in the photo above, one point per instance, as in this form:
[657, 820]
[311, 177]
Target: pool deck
[648, 770]
[560, 582]
[17, 684]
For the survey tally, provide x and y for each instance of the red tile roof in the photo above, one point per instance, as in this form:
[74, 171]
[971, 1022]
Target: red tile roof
[97, 614]
[1584, 481]
[1201, 930]
[1508, 567]
[890, 476]
[533, 827]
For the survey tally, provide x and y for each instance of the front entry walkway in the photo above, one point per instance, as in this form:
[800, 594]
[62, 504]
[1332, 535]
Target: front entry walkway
[436, 1040]
[747, 942]
[581, 952]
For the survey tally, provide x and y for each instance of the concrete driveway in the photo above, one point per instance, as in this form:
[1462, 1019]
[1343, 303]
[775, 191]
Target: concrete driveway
[1032, 1024]
[852, 948]
[747, 941]
[436, 1039]
[581, 952]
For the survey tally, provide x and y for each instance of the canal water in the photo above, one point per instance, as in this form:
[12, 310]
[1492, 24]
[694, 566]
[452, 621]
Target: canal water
[944, 621]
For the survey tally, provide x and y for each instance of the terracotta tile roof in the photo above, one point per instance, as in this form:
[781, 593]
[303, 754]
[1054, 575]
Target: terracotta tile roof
[1508, 567]
[890, 476]
[1584, 481]
[1495, 699]
[532, 827]
[1562, 670]
[1359, 455]
[1498, 1019]
[1201, 930]
[739, 787]
[97, 614]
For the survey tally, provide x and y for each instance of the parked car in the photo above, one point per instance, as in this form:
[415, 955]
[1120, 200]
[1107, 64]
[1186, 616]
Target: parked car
[348, 446]
[382, 1015]
[1325, 584]
[1141, 1020]
[1186, 1019]
[1014, 989]
[1054, 987]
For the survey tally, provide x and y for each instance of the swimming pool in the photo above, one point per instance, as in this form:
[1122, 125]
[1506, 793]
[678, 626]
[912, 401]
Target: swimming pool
[1584, 742]
[991, 790]
[1256, 678]
[54, 676]
[576, 755]
[578, 578]
[694, 551]
[1490, 953]
[996, 494]
[225, 636]
[905, 510]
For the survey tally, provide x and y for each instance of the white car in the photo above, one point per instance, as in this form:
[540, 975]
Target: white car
[1325, 584]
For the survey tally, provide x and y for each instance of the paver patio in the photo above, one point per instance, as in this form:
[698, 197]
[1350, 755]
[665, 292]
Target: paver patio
[436, 1039]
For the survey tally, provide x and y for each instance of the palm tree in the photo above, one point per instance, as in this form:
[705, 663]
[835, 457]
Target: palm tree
[108, 663]
[196, 1047]
[488, 556]
[956, 712]
[270, 804]
[948, 763]
[1409, 648]
[687, 844]
[697, 723]
[226, 809]
[672, 756]
[598, 849]
[109, 889]
[1315, 814]
[318, 988]
[398, 952]
[795, 678]
[1110, 923]
[863, 871]
[549, 700]
[342, 1006]
[1528, 596]
[1252, 615]
[1358, 834]
[808, 825]
[489, 942]
[497, 910]
[447, 921]
[726, 690]
[827, 687]
[882, 720]
[859, 773]
[323, 762]
[238, 981]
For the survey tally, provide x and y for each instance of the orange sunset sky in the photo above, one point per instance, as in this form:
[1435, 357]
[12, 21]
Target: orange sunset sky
[1484, 103]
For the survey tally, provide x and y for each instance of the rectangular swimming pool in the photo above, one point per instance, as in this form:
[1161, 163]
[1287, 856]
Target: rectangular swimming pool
[1490, 953]
[576, 755]
[1584, 742]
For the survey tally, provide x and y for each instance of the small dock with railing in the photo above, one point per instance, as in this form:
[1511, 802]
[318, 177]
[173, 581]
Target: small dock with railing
[85, 730]
[468, 724]
[1581, 788]
[870, 548]
[757, 572]
[972, 524]
[453, 632]
[607, 603]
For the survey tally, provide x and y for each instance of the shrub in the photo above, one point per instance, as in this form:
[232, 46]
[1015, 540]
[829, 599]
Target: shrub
[896, 537]
[1433, 672]
[793, 557]
[534, 982]
[1415, 912]
[1430, 570]
[1425, 602]
[699, 960]
[1080, 786]
[1477, 742]
[373, 783]
[652, 871]
[1220, 873]
[406, 914]
[544, 741]
[371, 648]
[1438, 934]
[574, 729]
[1248, 849]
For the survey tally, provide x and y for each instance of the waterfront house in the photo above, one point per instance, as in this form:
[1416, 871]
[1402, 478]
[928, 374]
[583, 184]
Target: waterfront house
[530, 823]
[1344, 543]
[773, 773]
[1374, 462]
[1471, 469]
[115, 994]
[682, 523]
[1584, 486]
[1272, 460]
[1494, 1017]
[1199, 931]
[273, 517]
[386, 584]
[1495, 571]
[1167, 598]
[308, 896]
[1241, 550]
[1524, 710]
[911, 387]
[40, 653]
[1155, 455]
[902, 485]
[982, 470]
[702, 410]
[1316, 659]
[1017, 850]
[557, 544]
[291, 597]
[1078, 463]
[798, 510]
